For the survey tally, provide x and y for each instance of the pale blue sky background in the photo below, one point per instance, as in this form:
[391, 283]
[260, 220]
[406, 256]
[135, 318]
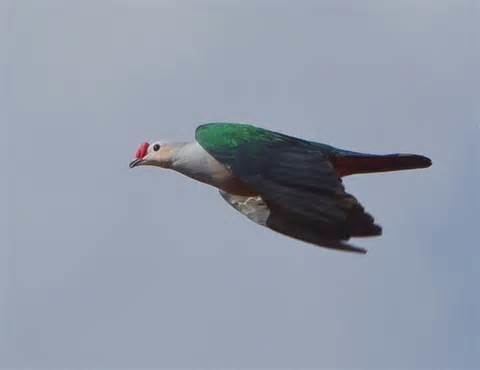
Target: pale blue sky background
[102, 266]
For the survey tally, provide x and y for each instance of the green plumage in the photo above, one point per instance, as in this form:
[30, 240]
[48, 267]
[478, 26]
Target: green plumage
[227, 136]
[224, 138]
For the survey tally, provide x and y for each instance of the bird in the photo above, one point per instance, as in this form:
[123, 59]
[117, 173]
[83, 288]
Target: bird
[290, 185]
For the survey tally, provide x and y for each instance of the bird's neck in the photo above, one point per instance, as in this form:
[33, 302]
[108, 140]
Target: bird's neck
[177, 151]
[190, 159]
[193, 161]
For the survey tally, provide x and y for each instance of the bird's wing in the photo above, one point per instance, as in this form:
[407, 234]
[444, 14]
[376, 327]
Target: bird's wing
[255, 208]
[296, 181]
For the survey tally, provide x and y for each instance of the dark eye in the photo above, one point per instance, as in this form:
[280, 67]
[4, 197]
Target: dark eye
[156, 147]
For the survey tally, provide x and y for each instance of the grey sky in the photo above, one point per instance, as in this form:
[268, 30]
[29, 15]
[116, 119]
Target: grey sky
[104, 266]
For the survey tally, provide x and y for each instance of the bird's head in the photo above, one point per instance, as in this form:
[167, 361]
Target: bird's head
[155, 154]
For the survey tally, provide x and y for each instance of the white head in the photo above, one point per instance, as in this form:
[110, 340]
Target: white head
[155, 154]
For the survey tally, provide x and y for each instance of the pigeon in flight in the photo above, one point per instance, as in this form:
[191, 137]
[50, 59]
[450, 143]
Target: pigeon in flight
[290, 185]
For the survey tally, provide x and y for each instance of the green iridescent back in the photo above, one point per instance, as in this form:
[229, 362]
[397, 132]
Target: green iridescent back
[223, 138]
[219, 136]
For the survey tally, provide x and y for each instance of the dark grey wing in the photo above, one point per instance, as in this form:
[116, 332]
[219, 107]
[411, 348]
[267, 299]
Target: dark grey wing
[304, 195]
[255, 208]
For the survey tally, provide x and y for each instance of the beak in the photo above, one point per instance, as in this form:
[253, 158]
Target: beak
[136, 162]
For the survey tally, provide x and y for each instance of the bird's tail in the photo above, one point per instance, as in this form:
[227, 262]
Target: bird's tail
[365, 163]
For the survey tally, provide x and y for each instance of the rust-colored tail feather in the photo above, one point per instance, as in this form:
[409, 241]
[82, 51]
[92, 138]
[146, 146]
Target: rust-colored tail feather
[354, 164]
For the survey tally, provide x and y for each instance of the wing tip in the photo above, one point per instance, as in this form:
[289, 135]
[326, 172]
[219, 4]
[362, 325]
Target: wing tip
[341, 246]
